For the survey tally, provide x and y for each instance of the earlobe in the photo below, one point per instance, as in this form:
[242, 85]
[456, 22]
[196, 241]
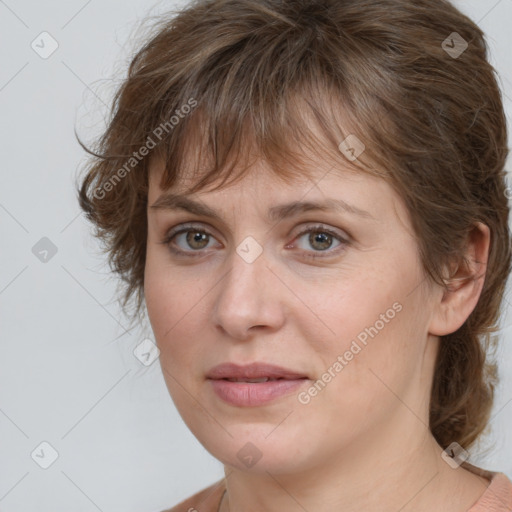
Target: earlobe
[463, 285]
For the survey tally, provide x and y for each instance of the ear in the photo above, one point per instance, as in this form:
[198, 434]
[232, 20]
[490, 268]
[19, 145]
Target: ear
[464, 285]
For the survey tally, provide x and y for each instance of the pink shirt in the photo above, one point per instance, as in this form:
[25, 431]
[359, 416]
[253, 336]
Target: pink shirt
[496, 498]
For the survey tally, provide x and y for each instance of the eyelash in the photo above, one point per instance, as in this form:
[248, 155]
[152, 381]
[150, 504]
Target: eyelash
[311, 229]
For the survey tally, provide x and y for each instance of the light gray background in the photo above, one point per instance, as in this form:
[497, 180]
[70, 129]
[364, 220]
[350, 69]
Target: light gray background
[68, 375]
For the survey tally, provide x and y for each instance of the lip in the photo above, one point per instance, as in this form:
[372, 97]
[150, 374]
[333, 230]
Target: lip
[253, 371]
[247, 394]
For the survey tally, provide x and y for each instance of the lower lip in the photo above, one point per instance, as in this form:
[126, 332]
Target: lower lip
[251, 394]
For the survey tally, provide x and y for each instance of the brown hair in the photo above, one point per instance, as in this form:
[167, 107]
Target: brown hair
[257, 72]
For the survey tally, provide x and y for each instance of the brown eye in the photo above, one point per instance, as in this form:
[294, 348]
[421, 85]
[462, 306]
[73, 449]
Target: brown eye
[187, 240]
[196, 239]
[320, 240]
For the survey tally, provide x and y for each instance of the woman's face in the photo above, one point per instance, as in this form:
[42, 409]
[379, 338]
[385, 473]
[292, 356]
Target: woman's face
[345, 306]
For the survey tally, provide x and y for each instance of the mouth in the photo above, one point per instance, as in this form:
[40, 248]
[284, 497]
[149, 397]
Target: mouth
[255, 384]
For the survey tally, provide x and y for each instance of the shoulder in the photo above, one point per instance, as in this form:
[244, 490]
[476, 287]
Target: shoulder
[498, 495]
[206, 500]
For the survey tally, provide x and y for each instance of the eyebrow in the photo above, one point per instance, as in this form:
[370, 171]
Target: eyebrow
[169, 201]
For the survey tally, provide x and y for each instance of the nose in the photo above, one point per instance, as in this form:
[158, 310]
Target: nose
[249, 298]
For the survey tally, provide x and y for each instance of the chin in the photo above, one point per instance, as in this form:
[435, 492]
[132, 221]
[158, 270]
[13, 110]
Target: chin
[253, 450]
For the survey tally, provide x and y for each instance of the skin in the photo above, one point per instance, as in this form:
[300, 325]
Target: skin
[363, 442]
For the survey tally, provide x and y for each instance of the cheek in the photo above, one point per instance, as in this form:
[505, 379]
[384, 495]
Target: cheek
[176, 307]
[367, 336]
[359, 382]
[351, 308]
[179, 338]
[383, 371]
[176, 315]
[165, 291]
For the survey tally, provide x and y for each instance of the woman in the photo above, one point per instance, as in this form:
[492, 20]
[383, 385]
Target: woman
[308, 197]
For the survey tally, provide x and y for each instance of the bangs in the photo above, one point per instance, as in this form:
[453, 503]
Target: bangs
[274, 97]
[291, 135]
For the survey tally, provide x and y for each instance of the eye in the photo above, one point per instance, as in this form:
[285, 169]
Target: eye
[321, 239]
[189, 239]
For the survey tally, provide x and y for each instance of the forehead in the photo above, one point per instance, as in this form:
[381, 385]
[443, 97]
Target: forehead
[343, 191]
[313, 175]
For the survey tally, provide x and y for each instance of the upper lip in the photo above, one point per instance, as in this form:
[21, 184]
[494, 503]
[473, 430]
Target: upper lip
[253, 371]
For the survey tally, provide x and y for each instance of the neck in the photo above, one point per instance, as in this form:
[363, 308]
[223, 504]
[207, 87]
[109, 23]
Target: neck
[369, 476]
